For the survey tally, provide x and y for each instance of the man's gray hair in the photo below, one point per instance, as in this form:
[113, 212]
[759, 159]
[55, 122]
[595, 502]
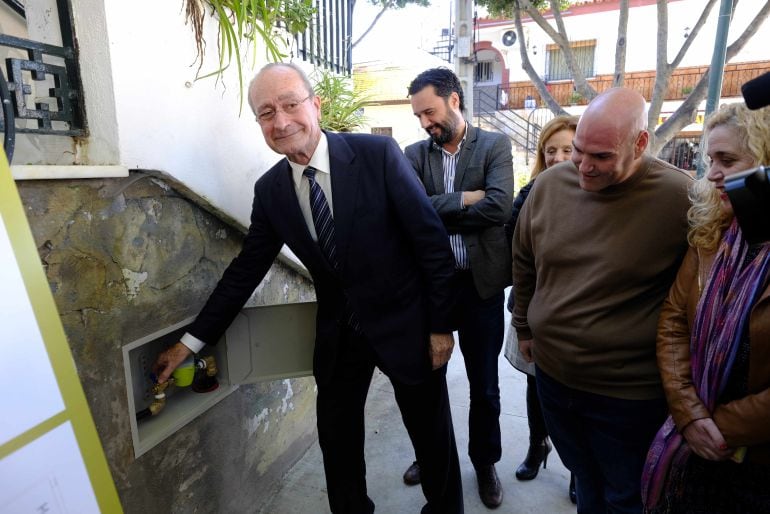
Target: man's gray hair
[299, 71]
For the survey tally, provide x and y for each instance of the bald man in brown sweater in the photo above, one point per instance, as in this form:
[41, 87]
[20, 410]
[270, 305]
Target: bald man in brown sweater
[595, 251]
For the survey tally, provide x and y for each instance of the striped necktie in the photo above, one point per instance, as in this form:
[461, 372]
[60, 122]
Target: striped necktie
[322, 218]
[324, 227]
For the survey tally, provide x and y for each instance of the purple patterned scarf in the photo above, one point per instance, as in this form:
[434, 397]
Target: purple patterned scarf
[720, 324]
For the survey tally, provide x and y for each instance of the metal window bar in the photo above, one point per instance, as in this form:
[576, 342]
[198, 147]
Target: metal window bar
[45, 64]
[326, 29]
[326, 42]
[483, 72]
[336, 33]
[682, 152]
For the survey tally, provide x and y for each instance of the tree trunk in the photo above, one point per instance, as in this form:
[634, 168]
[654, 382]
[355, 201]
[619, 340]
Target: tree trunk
[537, 81]
[686, 113]
[620, 45]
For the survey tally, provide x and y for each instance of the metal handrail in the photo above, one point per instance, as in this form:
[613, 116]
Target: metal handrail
[9, 120]
[506, 121]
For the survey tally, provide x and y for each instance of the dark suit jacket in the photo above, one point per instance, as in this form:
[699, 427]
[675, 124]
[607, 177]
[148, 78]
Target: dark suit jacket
[484, 164]
[395, 260]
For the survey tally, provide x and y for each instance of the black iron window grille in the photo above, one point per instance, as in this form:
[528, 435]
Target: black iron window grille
[41, 88]
[327, 40]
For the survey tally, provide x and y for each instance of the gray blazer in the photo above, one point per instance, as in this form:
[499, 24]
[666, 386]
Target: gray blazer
[485, 163]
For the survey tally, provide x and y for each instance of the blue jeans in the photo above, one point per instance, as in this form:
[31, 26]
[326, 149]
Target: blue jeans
[603, 441]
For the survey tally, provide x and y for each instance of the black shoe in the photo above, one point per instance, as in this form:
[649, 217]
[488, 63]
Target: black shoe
[412, 474]
[572, 492]
[490, 490]
[537, 454]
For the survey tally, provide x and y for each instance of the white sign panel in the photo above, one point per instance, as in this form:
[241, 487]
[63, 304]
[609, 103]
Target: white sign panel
[30, 389]
[47, 476]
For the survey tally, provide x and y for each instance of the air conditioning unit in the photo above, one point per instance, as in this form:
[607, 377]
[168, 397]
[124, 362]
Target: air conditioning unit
[508, 37]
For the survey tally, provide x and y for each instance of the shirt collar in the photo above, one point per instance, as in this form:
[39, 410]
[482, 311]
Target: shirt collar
[319, 160]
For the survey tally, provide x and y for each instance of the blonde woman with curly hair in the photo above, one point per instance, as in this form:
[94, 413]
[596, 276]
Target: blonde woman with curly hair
[713, 452]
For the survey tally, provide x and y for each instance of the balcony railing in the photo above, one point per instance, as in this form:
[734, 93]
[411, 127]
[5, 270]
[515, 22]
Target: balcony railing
[682, 82]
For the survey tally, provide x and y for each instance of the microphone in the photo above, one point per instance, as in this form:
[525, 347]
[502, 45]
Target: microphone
[749, 194]
[756, 92]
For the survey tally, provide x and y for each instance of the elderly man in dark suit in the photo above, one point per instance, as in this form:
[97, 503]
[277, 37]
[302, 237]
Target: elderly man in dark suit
[350, 207]
[468, 175]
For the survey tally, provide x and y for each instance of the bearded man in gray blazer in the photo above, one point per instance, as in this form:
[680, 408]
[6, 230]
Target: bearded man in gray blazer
[468, 175]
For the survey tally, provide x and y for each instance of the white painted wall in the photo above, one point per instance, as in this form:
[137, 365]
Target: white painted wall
[91, 31]
[144, 108]
[642, 45]
[168, 121]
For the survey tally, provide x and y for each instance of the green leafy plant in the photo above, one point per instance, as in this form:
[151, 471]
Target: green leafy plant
[575, 98]
[244, 24]
[341, 105]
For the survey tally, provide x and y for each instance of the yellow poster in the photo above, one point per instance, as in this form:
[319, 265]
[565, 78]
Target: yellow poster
[51, 459]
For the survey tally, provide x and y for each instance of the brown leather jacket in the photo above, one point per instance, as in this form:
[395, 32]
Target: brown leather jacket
[743, 422]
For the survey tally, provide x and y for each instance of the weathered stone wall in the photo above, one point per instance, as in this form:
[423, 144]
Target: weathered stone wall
[125, 258]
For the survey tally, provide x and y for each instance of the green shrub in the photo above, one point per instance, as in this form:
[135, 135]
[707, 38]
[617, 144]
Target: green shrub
[341, 106]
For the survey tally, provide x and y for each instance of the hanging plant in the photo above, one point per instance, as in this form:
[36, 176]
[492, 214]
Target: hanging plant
[244, 24]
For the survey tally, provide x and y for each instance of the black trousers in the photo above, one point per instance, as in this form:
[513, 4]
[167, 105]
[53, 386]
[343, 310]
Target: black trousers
[481, 331]
[537, 429]
[426, 415]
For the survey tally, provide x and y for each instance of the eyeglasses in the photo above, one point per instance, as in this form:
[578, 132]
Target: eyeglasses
[267, 114]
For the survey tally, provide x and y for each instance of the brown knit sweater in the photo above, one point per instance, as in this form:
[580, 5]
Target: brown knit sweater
[590, 272]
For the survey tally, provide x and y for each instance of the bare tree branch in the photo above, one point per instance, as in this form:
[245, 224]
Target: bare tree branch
[693, 33]
[581, 85]
[538, 18]
[662, 69]
[686, 113]
[620, 45]
[751, 29]
[560, 37]
[537, 81]
[555, 30]
[385, 7]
